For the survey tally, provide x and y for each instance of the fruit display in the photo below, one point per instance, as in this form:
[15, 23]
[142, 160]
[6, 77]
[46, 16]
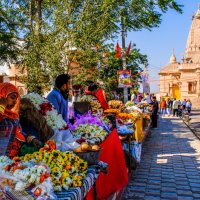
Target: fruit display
[84, 147]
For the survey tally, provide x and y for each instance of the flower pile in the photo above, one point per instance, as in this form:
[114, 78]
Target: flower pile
[26, 174]
[53, 119]
[143, 105]
[129, 117]
[129, 104]
[91, 133]
[88, 118]
[66, 169]
[116, 104]
[94, 103]
[111, 110]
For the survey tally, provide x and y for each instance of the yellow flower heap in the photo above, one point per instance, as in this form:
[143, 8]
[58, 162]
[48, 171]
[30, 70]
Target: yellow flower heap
[66, 169]
[116, 104]
[126, 117]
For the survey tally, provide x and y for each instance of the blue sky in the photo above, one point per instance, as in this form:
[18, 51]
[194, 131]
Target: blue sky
[158, 43]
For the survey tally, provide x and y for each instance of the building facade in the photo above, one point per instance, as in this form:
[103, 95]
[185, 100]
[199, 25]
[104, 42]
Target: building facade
[12, 75]
[181, 80]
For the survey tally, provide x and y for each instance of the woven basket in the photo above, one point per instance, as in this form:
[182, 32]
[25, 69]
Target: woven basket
[90, 156]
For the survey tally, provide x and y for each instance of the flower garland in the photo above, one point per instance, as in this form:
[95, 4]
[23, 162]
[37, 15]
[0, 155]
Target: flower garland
[66, 169]
[26, 174]
[90, 133]
[53, 119]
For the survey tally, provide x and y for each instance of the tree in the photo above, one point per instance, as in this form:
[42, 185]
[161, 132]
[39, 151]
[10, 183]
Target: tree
[57, 33]
[108, 72]
[8, 45]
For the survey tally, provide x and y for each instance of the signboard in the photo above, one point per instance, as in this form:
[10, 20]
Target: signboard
[146, 87]
[124, 78]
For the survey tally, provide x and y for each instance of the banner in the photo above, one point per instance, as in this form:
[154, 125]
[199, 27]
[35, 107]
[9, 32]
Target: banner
[124, 78]
[146, 87]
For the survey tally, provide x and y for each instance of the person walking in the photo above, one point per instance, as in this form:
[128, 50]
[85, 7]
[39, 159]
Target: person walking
[154, 116]
[175, 107]
[59, 95]
[184, 104]
[134, 98]
[188, 106]
[168, 106]
[163, 107]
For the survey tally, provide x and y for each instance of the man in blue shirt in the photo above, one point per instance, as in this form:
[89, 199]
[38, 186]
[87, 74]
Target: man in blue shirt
[59, 95]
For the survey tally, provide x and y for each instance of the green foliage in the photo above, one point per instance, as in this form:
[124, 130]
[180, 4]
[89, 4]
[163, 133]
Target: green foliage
[134, 61]
[58, 33]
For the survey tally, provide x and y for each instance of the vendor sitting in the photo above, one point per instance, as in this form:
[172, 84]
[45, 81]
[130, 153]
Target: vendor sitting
[99, 94]
[33, 124]
[9, 119]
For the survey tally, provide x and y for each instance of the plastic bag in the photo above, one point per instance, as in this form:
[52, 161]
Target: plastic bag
[136, 151]
[64, 140]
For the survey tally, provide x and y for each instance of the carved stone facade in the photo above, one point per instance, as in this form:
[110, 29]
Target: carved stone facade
[12, 74]
[181, 80]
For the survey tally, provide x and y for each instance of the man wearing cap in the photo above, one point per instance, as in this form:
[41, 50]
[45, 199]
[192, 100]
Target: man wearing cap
[59, 95]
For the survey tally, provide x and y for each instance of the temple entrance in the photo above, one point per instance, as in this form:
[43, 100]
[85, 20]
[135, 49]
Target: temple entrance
[176, 92]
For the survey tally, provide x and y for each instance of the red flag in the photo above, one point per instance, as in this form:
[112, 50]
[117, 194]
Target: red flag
[118, 51]
[128, 50]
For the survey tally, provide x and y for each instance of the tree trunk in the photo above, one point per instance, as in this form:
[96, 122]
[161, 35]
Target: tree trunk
[38, 17]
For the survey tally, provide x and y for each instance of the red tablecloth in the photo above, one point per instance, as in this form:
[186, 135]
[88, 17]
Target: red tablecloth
[117, 177]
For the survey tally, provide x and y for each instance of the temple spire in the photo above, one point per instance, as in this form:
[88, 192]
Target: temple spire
[172, 58]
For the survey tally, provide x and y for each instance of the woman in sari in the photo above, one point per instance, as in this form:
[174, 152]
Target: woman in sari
[99, 94]
[9, 118]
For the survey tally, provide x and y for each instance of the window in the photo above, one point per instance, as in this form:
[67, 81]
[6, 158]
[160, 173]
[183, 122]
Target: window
[191, 87]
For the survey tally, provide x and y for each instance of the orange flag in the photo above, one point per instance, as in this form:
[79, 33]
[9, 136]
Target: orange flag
[118, 51]
[128, 50]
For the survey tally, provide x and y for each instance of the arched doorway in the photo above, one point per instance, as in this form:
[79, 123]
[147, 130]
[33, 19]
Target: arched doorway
[176, 93]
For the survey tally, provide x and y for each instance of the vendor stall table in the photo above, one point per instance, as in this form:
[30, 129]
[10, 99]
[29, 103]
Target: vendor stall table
[79, 193]
[117, 177]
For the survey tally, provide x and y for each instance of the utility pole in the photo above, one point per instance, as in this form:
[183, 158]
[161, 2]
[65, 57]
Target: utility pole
[124, 55]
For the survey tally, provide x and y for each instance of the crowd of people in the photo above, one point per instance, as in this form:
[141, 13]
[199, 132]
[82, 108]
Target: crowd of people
[172, 106]
[166, 106]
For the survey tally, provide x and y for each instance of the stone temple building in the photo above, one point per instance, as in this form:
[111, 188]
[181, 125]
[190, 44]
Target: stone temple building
[181, 80]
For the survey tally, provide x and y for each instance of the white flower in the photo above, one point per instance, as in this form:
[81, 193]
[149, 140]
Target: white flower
[53, 119]
[21, 186]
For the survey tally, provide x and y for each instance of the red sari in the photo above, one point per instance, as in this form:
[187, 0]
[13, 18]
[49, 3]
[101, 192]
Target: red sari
[102, 99]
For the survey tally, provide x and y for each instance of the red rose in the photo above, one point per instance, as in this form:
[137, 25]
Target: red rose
[45, 107]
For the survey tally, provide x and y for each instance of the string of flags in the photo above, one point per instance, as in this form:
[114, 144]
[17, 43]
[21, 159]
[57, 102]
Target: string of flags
[118, 50]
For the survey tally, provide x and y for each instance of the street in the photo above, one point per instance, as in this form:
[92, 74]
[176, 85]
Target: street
[170, 164]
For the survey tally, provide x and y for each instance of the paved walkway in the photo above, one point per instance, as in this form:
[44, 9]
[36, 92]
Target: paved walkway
[195, 121]
[170, 165]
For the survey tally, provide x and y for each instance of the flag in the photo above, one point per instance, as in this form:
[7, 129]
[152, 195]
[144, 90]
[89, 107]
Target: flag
[128, 50]
[118, 51]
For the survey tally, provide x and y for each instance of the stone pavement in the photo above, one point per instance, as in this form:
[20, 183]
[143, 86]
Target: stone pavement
[195, 121]
[170, 165]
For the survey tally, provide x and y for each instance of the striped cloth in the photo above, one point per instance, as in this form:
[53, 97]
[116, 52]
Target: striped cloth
[79, 193]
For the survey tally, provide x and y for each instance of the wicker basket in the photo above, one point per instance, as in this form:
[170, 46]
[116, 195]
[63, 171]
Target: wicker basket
[90, 156]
